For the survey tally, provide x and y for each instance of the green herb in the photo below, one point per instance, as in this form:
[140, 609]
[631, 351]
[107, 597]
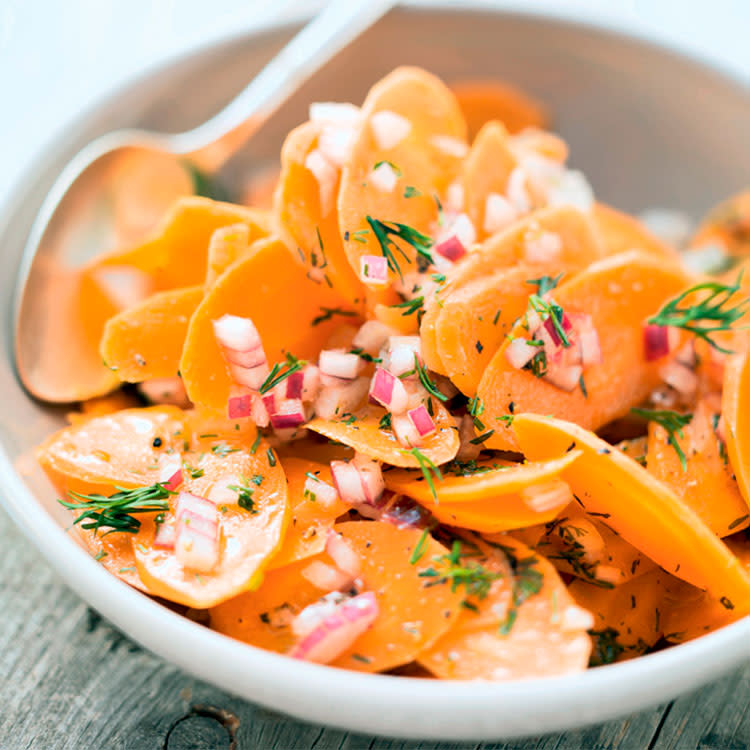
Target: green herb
[313, 254]
[738, 522]
[117, 512]
[128, 569]
[496, 318]
[278, 374]
[481, 438]
[419, 550]
[329, 312]
[100, 555]
[206, 185]
[582, 386]
[473, 576]
[257, 479]
[385, 421]
[476, 409]
[385, 230]
[360, 235]
[424, 379]
[193, 471]
[672, 422]
[244, 495]
[606, 648]
[411, 306]
[537, 364]
[527, 582]
[467, 468]
[256, 442]
[362, 354]
[428, 467]
[711, 315]
[208, 435]
[222, 450]
[363, 659]
[545, 284]
[550, 311]
[411, 192]
[573, 552]
[390, 164]
[506, 419]
[439, 278]
[271, 457]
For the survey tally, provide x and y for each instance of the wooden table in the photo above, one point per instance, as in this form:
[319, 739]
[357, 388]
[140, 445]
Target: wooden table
[70, 680]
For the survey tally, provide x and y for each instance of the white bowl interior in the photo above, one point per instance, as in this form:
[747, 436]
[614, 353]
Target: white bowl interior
[628, 111]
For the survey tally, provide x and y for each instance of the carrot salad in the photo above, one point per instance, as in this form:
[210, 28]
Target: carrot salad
[432, 409]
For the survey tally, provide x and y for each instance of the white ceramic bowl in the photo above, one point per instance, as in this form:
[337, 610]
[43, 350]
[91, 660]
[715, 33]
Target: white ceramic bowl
[649, 128]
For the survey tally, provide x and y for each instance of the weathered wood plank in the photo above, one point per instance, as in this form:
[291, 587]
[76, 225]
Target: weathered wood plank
[72, 681]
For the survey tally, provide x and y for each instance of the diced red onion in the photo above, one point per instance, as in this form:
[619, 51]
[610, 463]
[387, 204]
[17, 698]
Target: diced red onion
[313, 614]
[198, 523]
[371, 337]
[339, 630]
[399, 356]
[170, 474]
[451, 249]
[371, 476]
[547, 496]
[289, 414]
[310, 382]
[679, 377]
[389, 128]
[325, 577]
[498, 213]
[422, 421]
[326, 175]
[384, 177]
[519, 353]
[450, 146]
[588, 339]
[240, 402]
[236, 333]
[248, 359]
[566, 378]
[571, 188]
[463, 229]
[259, 414]
[324, 493]
[659, 341]
[339, 364]
[337, 400]
[294, 384]
[269, 402]
[342, 553]
[388, 390]
[347, 481]
[200, 506]
[252, 378]
[373, 269]
[405, 431]
[196, 550]
[551, 329]
[166, 534]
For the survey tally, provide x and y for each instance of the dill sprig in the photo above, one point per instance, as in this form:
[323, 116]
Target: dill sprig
[672, 422]
[473, 576]
[429, 470]
[709, 316]
[385, 230]
[424, 379]
[117, 512]
[554, 312]
[411, 306]
[278, 374]
[328, 313]
[545, 284]
[244, 495]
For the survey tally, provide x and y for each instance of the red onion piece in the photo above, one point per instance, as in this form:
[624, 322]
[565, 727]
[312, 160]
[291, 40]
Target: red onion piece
[339, 364]
[373, 269]
[389, 128]
[659, 341]
[567, 378]
[313, 614]
[310, 382]
[339, 399]
[187, 502]
[547, 496]
[259, 414]
[588, 339]
[170, 475]
[339, 630]
[422, 421]
[321, 491]
[236, 333]
[290, 413]
[519, 353]
[198, 523]
[347, 482]
[451, 249]
[196, 550]
[388, 391]
[372, 336]
[326, 577]
[249, 359]
[342, 553]
[166, 534]
[679, 377]
[551, 329]
[406, 433]
[240, 402]
[250, 377]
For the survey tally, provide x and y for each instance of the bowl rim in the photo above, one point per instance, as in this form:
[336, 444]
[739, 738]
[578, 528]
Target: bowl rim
[291, 679]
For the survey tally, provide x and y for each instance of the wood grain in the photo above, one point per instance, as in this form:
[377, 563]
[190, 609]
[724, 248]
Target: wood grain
[71, 681]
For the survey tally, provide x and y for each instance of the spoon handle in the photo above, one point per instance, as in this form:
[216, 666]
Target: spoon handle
[333, 28]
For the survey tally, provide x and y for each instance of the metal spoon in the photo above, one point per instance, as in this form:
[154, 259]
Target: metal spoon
[74, 220]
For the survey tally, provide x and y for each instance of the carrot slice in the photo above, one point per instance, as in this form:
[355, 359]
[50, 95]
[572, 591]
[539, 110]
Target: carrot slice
[112, 450]
[727, 225]
[414, 612]
[310, 516]
[311, 236]
[695, 613]
[475, 320]
[272, 290]
[145, 341]
[735, 410]
[431, 110]
[176, 254]
[492, 499]
[248, 538]
[227, 245]
[641, 509]
[527, 626]
[580, 246]
[619, 293]
[707, 483]
[486, 170]
[115, 553]
[620, 232]
[362, 432]
[481, 101]
[635, 448]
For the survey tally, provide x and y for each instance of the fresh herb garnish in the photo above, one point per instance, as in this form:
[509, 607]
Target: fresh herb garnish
[271, 457]
[424, 379]
[473, 576]
[385, 230]
[411, 306]
[606, 647]
[419, 549]
[476, 409]
[278, 374]
[328, 313]
[428, 467]
[411, 192]
[545, 284]
[672, 422]
[385, 421]
[244, 495]
[194, 472]
[222, 450]
[482, 438]
[550, 311]
[117, 512]
[527, 582]
[390, 164]
[711, 315]
[362, 354]
[256, 442]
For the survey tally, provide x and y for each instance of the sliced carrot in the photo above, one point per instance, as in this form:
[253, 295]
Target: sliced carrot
[272, 290]
[629, 618]
[362, 432]
[176, 255]
[635, 448]
[98, 407]
[735, 411]
[248, 537]
[312, 237]
[112, 450]
[475, 320]
[641, 509]
[527, 626]
[309, 516]
[413, 611]
[486, 170]
[481, 101]
[227, 245]
[619, 293]
[695, 613]
[145, 341]
[580, 246]
[584, 546]
[620, 232]
[727, 225]
[490, 500]
[432, 110]
[315, 449]
[707, 483]
[407, 324]
[115, 552]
